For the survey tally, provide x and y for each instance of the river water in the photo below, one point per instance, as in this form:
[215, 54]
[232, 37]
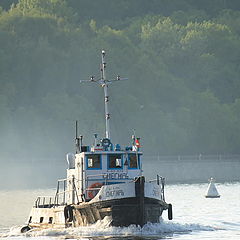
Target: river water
[195, 217]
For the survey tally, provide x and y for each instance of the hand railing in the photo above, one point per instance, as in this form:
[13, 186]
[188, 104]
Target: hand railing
[62, 184]
[60, 196]
[160, 180]
[44, 201]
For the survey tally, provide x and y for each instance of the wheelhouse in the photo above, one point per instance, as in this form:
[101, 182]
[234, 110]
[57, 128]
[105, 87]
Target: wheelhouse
[99, 165]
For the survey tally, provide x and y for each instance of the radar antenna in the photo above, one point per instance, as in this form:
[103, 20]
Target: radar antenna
[104, 84]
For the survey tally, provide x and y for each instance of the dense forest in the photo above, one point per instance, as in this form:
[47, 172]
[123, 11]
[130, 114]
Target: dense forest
[181, 58]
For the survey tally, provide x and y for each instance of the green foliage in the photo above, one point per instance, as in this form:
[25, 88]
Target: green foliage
[57, 8]
[181, 58]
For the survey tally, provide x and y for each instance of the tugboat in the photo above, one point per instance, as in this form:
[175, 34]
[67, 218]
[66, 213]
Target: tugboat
[103, 180]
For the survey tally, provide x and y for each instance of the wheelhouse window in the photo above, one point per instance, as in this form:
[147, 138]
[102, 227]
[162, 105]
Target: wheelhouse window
[94, 161]
[115, 161]
[133, 161]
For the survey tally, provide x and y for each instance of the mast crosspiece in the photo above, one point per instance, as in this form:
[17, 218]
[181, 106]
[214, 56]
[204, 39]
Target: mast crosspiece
[104, 84]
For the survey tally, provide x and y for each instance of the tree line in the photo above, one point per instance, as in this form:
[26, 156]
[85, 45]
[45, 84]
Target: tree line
[181, 58]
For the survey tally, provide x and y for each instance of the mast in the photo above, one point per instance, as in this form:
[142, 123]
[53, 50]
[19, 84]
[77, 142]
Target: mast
[106, 97]
[104, 82]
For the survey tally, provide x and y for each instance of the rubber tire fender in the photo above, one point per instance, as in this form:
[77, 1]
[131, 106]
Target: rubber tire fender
[25, 229]
[68, 213]
[170, 212]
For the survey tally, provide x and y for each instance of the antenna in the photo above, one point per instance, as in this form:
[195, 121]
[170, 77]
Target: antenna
[106, 97]
[104, 84]
[76, 129]
[77, 139]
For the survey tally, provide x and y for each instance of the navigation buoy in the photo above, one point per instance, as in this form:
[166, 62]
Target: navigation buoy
[212, 191]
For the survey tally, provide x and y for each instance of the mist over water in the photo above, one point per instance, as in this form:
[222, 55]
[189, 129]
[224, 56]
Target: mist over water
[193, 168]
[44, 172]
[38, 173]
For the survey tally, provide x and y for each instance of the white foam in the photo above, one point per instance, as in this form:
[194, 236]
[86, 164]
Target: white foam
[102, 228]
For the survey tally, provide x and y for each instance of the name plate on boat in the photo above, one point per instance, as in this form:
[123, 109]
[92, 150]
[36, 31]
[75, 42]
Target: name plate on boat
[116, 175]
[115, 191]
[152, 190]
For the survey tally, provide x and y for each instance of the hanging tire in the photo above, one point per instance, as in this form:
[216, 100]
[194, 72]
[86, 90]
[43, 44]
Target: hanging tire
[170, 213]
[25, 229]
[68, 213]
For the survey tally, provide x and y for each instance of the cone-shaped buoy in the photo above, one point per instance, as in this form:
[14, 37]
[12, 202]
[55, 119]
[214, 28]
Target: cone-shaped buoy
[212, 191]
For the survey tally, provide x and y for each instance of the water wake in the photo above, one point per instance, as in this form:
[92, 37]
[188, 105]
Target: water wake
[103, 229]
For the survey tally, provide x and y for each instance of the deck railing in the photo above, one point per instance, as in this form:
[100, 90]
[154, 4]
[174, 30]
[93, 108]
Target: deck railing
[60, 198]
[160, 180]
[44, 201]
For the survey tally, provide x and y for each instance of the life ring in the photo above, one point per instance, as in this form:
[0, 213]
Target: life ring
[93, 193]
[68, 213]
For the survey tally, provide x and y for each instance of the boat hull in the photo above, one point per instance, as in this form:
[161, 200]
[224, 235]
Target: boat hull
[120, 212]
[123, 204]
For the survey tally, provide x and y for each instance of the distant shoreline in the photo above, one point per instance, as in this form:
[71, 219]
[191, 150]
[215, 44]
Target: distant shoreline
[44, 173]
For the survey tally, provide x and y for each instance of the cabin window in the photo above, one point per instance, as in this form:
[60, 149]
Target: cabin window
[94, 161]
[114, 161]
[133, 161]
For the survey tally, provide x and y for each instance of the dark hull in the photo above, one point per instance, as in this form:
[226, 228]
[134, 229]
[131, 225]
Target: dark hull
[137, 210]
[122, 212]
